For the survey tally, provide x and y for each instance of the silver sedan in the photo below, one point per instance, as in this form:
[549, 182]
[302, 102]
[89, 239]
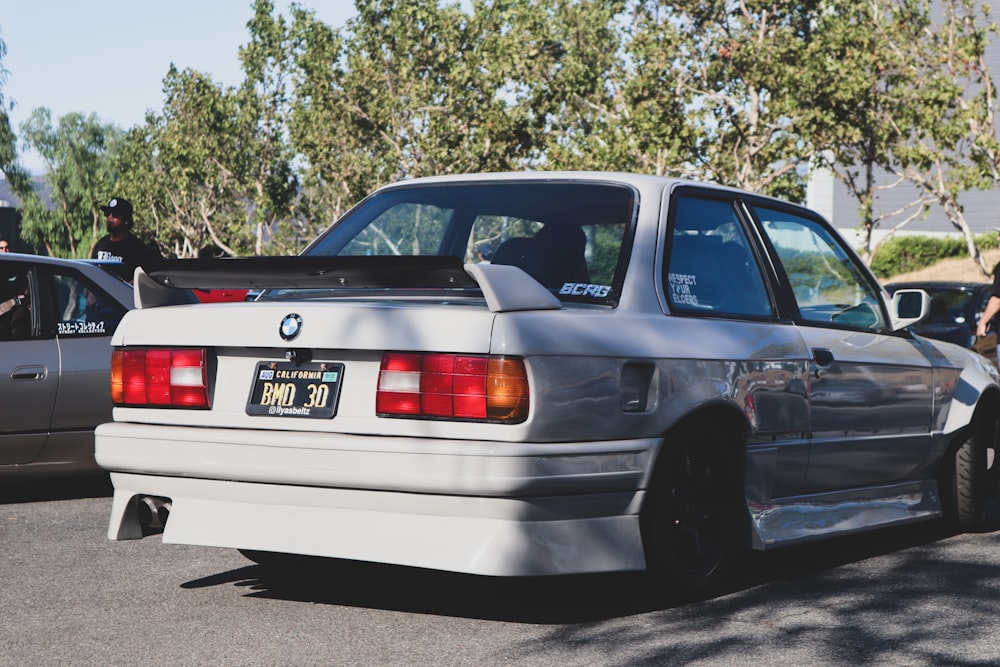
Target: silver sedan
[56, 321]
[648, 374]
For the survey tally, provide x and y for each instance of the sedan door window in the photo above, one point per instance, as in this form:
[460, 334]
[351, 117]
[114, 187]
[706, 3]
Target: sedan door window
[83, 309]
[15, 305]
[711, 268]
[829, 288]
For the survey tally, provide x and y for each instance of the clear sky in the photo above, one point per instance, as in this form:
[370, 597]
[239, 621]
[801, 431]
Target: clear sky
[110, 57]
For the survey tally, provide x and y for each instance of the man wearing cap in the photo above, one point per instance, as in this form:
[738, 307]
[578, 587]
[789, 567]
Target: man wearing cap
[120, 243]
[993, 305]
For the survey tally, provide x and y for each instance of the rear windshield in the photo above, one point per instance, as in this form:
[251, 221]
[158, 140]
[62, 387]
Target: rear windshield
[569, 236]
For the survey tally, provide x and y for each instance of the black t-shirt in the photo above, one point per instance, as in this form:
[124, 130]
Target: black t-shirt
[996, 281]
[130, 250]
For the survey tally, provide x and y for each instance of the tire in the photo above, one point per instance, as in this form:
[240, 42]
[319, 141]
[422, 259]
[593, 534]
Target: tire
[967, 482]
[690, 517]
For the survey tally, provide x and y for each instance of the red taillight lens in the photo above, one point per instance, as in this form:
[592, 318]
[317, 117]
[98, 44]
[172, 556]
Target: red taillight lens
[159, 377]
[451, 386]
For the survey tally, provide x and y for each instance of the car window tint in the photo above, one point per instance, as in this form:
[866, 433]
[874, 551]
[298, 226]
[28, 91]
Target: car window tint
[949, 306]
[15, 305]
[829, 287]
[83, 309]
[711, 268]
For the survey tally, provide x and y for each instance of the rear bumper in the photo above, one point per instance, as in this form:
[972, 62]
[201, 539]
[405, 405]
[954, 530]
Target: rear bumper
[507, 509]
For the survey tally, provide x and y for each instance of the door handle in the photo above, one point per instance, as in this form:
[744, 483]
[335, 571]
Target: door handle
[823, 358]
[29, 373]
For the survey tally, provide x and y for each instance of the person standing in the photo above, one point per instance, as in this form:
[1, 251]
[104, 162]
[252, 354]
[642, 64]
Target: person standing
[120, 244]
[4, 245]
[993, 305]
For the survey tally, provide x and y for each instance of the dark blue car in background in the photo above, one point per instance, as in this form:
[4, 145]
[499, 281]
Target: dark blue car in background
[955, 310]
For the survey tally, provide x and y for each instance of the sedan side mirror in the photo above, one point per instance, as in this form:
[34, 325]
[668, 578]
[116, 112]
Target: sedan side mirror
[909, 306]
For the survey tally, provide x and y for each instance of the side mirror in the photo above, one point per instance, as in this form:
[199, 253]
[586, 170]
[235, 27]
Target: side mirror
[909, 306]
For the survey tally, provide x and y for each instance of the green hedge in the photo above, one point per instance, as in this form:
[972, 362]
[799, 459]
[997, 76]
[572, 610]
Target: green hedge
[902, 254]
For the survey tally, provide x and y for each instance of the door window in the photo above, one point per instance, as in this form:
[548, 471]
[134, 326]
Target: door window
[711, 268]
[83, 309]
[15, 305]
[829, 286]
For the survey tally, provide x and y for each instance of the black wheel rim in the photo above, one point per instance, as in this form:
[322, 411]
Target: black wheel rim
[696, 513]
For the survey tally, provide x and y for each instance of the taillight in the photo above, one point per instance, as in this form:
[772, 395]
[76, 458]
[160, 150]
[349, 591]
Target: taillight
[452, 386]
[165, 377]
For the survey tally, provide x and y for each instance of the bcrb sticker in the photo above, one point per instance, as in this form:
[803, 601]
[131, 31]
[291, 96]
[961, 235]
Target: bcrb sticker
[585, 289]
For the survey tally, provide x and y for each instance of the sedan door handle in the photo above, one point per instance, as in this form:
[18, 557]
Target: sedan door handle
[29, 373]
[823, 358]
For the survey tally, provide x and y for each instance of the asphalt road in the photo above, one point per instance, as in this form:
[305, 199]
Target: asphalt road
[68, 596]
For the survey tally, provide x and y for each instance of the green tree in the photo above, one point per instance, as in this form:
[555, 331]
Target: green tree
[744, 58]
[900, 94]
[79, 173]
[857, 91]
[10, 167]
[644, 123]
[408, 88]
[951, 147]
[214, 166]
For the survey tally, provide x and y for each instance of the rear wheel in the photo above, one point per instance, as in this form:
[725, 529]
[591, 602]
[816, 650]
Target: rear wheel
[690, 516]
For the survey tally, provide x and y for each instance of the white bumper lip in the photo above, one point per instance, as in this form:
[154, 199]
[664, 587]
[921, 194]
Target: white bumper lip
[489, 508]
[484, 536]
[411, 465]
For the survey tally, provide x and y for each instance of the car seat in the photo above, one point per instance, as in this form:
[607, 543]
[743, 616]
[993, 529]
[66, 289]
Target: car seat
[522, 252]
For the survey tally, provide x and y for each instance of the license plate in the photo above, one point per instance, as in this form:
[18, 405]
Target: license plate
[286, 389]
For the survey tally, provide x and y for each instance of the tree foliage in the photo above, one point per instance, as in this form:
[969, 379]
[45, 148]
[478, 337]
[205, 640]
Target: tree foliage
[79, 176]
[10, 168]
[749, 93]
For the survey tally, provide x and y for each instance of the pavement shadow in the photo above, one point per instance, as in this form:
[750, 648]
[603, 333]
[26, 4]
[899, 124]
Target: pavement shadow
[548, 600]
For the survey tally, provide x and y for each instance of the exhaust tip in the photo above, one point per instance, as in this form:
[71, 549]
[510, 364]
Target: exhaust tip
[153, 512]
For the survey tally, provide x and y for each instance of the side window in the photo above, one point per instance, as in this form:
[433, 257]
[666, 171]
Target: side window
[15, 305]
[83, 309]
[829, 285]
[711, 267]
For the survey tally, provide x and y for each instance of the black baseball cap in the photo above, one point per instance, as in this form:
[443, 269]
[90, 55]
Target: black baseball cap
[120, 206]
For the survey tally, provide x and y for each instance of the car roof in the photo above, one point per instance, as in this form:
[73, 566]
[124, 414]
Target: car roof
[640, 181]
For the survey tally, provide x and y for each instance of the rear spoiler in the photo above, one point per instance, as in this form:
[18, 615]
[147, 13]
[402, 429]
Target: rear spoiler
[166, 282]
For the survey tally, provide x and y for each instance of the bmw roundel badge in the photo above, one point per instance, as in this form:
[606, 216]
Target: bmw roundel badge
[290, 327]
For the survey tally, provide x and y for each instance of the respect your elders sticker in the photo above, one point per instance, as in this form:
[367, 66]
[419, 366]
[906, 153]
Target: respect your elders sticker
[680, 288]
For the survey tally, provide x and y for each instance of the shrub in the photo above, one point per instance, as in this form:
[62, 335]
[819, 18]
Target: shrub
[902, 254]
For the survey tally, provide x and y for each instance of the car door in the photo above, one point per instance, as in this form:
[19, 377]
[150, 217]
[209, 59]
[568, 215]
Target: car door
[29, 367]
[85, 317]
[714, 273]
[870, 389]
